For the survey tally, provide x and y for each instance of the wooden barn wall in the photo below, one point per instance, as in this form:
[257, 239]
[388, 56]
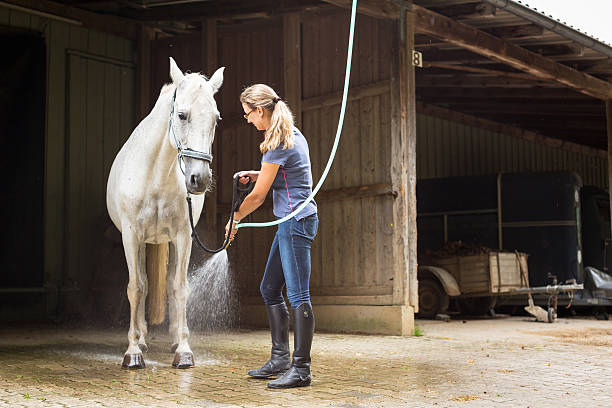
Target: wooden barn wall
[89, 114]
[238, 142]
[446, 148]
[350, 256]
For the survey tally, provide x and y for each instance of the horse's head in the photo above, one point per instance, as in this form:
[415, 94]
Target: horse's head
[194, 119]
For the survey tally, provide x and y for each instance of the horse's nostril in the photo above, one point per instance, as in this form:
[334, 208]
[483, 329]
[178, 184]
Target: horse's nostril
[195, 179]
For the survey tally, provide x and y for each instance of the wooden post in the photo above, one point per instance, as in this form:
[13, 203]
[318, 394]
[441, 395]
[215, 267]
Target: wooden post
[403, 168]
[145, 36]
[210, 62]
[609, 126]
[411, 137]
[292, 61]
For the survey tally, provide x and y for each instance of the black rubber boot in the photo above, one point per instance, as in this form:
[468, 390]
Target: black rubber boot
[280, 358]
[299, 373]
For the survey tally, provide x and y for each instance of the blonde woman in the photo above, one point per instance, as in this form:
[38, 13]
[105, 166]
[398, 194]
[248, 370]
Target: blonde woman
[285, 167]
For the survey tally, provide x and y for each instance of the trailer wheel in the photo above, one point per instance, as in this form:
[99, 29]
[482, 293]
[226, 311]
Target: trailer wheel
[432, 299]
[476, 306]
[601, 313]
[552, 314]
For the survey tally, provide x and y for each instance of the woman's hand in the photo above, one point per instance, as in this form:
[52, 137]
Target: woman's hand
[255, 197]
[245, 175]
[233, 230]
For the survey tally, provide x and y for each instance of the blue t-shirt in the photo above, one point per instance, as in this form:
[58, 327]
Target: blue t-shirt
[293, 182]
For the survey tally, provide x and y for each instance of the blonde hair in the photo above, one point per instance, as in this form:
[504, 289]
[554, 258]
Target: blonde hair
[281, 123]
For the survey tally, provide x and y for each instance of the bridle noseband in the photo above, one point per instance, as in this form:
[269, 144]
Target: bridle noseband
[185, 151]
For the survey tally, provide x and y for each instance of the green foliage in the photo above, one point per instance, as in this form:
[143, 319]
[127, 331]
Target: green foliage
[418, 332]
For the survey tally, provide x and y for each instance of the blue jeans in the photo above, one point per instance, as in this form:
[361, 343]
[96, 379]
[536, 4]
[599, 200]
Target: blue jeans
[289, 262]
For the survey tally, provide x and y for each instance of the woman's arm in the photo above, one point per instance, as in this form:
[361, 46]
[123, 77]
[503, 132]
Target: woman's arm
[266, 177]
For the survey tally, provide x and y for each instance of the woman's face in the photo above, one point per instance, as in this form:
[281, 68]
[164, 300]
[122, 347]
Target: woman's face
[256, 116]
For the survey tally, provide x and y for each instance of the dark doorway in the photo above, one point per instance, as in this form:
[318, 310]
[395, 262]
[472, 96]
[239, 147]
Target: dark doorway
[22, 103]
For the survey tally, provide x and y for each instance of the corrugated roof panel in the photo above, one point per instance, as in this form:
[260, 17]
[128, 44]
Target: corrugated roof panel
[582, 30]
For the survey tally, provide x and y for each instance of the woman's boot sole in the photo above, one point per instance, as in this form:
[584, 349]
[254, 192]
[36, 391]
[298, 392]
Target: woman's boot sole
[300, 384]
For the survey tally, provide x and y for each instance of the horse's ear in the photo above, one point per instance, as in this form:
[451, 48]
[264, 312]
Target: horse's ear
[216, 80]
[175, 72]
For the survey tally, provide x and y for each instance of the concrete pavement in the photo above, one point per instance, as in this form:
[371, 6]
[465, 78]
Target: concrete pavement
[502, 362]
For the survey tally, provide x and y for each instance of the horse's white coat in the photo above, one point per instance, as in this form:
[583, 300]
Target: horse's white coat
[146, 194]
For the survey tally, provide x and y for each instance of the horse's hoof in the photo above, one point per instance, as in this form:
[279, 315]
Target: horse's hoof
[183, 360]
[173, 348]
[143, 347]
[133, 361]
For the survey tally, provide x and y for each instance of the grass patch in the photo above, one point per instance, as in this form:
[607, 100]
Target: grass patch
[418, 331]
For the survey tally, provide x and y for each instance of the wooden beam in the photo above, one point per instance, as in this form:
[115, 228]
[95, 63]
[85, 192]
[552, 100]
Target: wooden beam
[529, 108]
[403, 168]
[462, 81]
[339, 194]
[358, 92]
[145, 38]
[561, 123]
[467, 10]
[114, 25]
[371, 190]
[373, 8]
[434, 3]
[409, 122]
[210, 42]
[454, 56]
[516, 31]
[292, 61]
[430, 23]
[552, 94]
[234, 9]
[485, 71]
[210, 53]
[498, 127]
[557, 50]
[609, 155]
[600, 67]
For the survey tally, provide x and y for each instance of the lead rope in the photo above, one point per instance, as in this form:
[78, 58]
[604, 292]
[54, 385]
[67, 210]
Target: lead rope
[238, 195]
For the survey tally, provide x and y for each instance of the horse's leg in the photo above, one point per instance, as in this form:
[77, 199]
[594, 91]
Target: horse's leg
[172, 314]
[134, 251]
[183, 357]
[141, 321]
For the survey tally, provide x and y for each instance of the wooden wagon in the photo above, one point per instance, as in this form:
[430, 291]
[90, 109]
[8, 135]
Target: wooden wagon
[475, 280]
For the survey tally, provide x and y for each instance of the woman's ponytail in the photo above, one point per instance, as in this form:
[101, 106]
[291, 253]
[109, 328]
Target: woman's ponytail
[281, 122]
[281, 128]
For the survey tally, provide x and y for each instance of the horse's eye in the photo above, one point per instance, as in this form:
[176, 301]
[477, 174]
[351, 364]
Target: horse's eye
[182, 116]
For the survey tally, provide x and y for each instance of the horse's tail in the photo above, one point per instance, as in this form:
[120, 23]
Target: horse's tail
[157, 267]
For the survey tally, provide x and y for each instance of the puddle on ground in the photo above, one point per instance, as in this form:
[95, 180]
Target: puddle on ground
[93, 370]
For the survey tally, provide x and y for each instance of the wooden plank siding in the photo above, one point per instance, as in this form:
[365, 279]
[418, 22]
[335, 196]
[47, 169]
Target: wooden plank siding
[238, 142]
[89, 113]
[447, 148]
[351, 254]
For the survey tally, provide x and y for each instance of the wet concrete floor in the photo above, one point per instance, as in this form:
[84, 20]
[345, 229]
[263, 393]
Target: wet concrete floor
[505, 362]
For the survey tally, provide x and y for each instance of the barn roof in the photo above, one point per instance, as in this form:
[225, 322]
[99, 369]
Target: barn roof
[493, 59]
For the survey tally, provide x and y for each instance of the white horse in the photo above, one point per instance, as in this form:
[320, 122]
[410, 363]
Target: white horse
[166, 156]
